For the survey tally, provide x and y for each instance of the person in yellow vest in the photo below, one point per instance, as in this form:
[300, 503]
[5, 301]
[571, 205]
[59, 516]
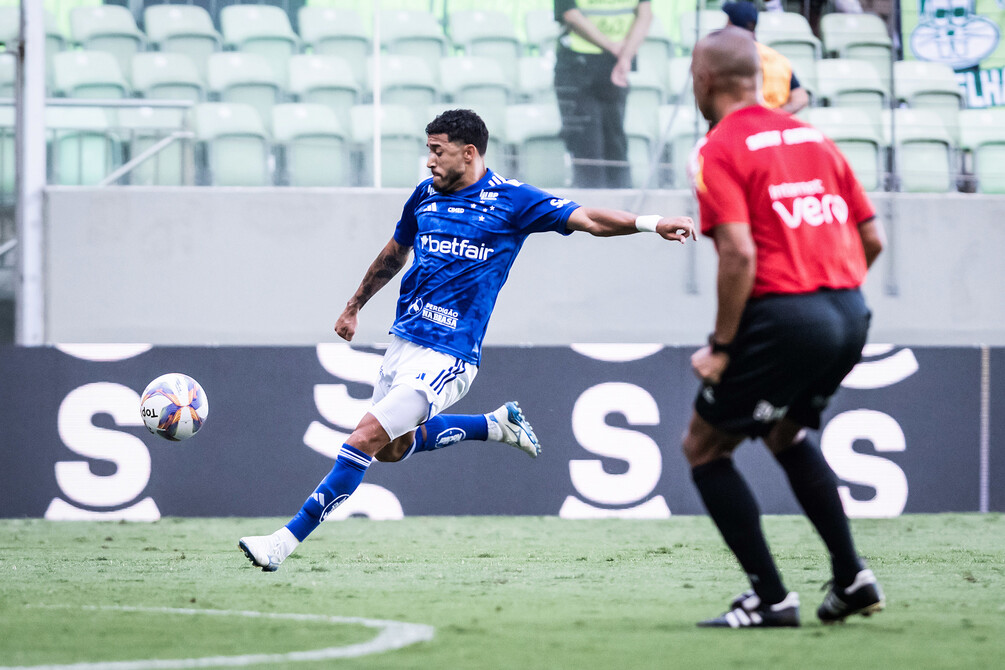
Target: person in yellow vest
[595, 53]
[781, 88]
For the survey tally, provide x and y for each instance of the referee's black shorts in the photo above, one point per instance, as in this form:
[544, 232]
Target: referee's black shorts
[788, 358]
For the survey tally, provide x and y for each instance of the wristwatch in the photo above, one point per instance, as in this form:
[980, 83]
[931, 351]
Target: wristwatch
[717, 346]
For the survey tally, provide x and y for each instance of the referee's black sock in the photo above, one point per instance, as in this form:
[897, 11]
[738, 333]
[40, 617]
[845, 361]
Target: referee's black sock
[815, 487]
[734, 510]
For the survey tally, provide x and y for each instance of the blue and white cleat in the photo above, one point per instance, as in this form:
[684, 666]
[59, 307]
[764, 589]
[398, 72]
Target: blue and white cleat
[516, 430]
[264, 551]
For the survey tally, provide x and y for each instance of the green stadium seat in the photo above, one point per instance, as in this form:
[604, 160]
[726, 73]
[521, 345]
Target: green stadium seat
[336, 32]
[856, 134]
[8, 74]
[414, 33]
[186, 29]
[404, 80]
[264, 30]
[167, 76]
[143, 127]
[533, 132]
[692, 25]
[108, 28]
[536, 79]
[88, 74]
[847, 82]
[923, 150]
[487, 33]
[861, 36]
[83, 149]
[982, 136]
[640, 134]
[656, 51]
[235, 76]
[312, 146]
[479, 84]
[646, 92]
[679, 86]
[542, 31]
[680, 129]
[234, 144]
[10, 27]
[325, 80]
[8, 164]
[402, 141]
[930, 85]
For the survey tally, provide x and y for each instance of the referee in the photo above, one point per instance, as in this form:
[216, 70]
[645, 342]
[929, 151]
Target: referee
[795, 235]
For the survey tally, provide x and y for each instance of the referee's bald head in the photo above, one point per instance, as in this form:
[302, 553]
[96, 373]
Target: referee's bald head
[725, 65]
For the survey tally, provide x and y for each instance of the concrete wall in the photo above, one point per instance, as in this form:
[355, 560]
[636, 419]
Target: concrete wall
[275, 266]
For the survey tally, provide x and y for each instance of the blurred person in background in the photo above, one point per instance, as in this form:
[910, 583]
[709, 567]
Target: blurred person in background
[595, 54]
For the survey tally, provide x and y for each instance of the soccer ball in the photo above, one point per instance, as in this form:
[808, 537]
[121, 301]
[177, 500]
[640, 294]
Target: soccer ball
[174, 406]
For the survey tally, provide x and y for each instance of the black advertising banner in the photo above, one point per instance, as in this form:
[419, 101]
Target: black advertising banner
[904, 434]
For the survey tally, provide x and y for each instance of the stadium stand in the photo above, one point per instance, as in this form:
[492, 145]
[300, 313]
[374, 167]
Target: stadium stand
[55, 41]
[860, 36]
[336, 32]
[108, 28]
[325, 80]
[922, 148]
[311, 146]
[680, 128]
[849, 82]
[679, 80]
[856, 134]
[404, 80]
[88, 74]
[141, 128]
[929, 85]
[233, 144]
[692, 25]
[83, 147]
[532, 132]
[7, 166]
[536, 79]
[185, 29]
[489, 34]
[402, 141]
[542, 32]
[477, 83]
[8, 67]
[415, 33]
[656, 51]
[646, 92]
[789, 34]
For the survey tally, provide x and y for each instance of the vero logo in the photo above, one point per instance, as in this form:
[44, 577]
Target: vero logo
[813, 210]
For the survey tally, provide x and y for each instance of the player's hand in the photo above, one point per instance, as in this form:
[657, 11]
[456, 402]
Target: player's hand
[345, 327]
[676, 228]
[709, 366]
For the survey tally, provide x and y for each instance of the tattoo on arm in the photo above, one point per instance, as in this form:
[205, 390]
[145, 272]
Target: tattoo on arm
[387, 264]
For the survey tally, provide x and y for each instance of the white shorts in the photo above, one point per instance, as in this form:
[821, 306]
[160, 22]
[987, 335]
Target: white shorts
[440, 379]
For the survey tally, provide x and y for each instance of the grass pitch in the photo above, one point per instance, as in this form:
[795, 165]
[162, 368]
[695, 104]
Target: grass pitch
[501, 592]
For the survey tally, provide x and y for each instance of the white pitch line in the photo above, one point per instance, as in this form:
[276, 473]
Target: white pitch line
[393, 635]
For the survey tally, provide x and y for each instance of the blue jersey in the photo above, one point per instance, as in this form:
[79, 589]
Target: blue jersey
[465, 243]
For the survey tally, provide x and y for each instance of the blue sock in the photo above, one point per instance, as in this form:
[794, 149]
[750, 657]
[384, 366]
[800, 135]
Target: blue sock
[444, 430]
[350, 466]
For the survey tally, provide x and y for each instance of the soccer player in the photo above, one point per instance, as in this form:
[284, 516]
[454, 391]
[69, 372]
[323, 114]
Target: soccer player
[465, 225]
[795, 235]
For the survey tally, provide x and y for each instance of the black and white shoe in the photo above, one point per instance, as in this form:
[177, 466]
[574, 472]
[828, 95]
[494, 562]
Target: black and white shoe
[747, 611]
[864, 597]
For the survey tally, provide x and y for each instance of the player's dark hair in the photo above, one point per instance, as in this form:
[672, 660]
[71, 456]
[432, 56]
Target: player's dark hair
[461, 126]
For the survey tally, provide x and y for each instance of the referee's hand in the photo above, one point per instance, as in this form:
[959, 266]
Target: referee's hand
[709, 366]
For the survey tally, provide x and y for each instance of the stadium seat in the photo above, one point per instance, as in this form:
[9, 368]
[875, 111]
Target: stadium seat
[533, 131]
[143, 127]
[542, 31]
[655, 51]
[336, 32]
[646, 93]
[489, 34]
[10, 26]
[640, 132]
[982, 136]
[402, 142]
[167, 76]
[325, 80]
[404, 80]
[479, 84]
[856, 134]
[680, 129]
[312, 146]
[83, 149]
[930, 85]
[8, 164]
[536, 79]
[922, 147]
[693, 25]
[233, 144]
[861, 36]
[186, 29]
[846, 82]
[88, 74]
[8, 74]
[414, 33]
[679, 87]
[247, 78]
[109, 28]
[264, 30]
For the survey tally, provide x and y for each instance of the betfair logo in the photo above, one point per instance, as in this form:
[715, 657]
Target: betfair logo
[455, 247]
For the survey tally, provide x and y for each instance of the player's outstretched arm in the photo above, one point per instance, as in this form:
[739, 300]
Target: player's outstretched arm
[387, 264]
[610, 222]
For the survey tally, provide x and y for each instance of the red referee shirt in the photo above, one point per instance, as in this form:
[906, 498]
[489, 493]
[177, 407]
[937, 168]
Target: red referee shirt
[795, 189]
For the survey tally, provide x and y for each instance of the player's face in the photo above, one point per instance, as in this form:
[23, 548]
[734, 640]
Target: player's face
[446, 161]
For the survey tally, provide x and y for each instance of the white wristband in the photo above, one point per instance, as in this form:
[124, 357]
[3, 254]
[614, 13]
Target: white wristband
[647, 222]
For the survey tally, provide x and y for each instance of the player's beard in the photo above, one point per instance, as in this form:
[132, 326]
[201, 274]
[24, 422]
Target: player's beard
[448, 181]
